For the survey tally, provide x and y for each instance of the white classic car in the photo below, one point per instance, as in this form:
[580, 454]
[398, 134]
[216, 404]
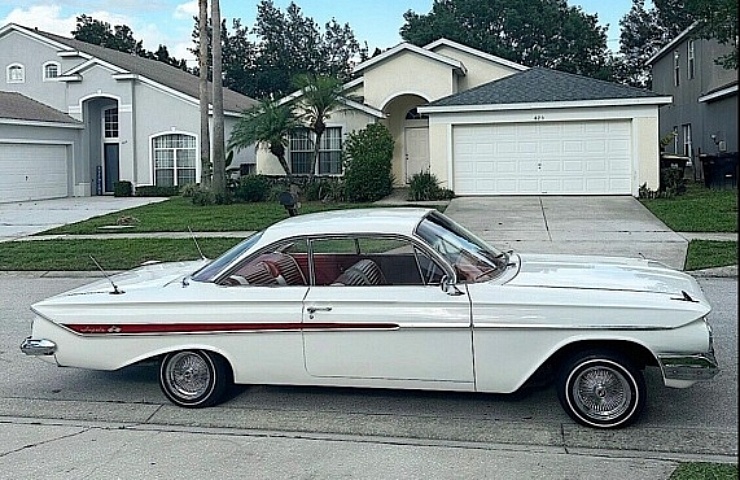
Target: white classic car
[390, 298]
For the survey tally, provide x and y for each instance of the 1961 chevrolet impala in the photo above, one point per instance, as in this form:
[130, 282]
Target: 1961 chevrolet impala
[390, 298]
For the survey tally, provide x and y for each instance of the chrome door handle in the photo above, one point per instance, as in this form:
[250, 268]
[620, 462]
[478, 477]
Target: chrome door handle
[312, 310]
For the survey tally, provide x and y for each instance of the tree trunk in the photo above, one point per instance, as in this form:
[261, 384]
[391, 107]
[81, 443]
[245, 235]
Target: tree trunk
[279, 152]
[318, 130]
[219, 161]
[205, 137]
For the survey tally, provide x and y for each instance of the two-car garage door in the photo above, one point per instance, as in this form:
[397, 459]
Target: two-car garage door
[33, 171]
[552, 158]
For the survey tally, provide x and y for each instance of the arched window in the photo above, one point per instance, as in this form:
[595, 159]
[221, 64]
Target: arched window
[175, 156]
[16, 73]
[51, 70]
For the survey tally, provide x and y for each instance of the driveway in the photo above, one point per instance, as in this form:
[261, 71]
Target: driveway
[20, 219]
[610, 225]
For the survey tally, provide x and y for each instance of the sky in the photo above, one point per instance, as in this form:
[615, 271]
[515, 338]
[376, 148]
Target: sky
[170, 22]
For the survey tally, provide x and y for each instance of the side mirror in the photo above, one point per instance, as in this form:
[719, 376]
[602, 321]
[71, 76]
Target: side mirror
[449, 288]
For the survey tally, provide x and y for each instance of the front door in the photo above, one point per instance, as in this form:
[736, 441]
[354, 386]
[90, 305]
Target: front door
[416, 142]
[110, 166]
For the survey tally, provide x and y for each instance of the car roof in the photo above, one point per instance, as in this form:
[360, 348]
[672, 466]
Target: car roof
[401, 220]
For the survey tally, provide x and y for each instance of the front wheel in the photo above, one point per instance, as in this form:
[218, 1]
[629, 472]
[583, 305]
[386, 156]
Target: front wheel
[194, 378]
[601, 389]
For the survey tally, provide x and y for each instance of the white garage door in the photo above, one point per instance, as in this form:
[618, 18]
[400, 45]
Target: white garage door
[32, 171]
[556, 158]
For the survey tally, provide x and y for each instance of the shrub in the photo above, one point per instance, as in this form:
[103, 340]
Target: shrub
[425, 186]
[252, 188]
[672, 182]
[157, 191]
[326, 189]
[123, 188]
[368, 162]
[189, 190]
[203, 197]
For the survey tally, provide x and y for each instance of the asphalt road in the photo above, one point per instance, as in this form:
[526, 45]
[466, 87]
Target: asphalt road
[700, 422]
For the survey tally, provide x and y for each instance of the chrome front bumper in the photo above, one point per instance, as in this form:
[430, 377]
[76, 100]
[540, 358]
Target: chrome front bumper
[38, 346]
[682, 367]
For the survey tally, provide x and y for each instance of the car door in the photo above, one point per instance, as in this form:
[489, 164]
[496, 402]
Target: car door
[384, 316]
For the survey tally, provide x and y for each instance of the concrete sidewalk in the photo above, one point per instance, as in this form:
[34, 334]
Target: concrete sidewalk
[41, 449]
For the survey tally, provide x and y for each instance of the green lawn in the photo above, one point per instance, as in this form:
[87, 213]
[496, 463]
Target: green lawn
[705, 471]
[178, 213]
[699, 210]
[117, 254]
[710, 253]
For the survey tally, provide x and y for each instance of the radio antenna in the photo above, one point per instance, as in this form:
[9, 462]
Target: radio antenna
[202, 257]
[115, 291]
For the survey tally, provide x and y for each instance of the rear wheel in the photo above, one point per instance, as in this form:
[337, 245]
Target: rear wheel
[601, 389]
[194, 378]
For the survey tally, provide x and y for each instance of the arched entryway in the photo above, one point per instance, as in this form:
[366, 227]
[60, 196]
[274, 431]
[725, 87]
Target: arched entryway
[410, 131]
[102, 142]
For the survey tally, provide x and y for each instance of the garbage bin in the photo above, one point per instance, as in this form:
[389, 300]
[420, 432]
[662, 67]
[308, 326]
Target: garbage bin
[720, 170]
[675, 162]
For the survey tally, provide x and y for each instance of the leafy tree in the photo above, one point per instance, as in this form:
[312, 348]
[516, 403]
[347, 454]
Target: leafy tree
[546, 33]
[321, 95]
[718, 19]
[121, 38]
[268, 123]
[264, 61]
[641, 36]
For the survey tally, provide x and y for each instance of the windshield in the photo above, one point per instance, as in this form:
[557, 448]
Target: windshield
[209, 272]
[472, 258]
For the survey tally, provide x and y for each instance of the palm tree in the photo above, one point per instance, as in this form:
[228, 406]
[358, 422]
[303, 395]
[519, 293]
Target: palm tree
[205, 141]
[269, 123]
[322, 95]
[219, 159]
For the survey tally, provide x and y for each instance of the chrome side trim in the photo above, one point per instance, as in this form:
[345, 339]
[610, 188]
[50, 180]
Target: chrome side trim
[699, 366]
[38, 346]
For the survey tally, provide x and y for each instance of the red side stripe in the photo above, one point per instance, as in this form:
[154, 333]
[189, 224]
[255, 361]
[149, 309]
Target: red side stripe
[150, 328]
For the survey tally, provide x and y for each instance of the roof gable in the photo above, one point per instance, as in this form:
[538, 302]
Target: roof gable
[158, 72]
[408, 47]
[472, 51]
[542, 85]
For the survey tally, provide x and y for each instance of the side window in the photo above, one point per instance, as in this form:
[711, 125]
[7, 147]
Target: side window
[284, 264]
[372, 260]
[15, 73]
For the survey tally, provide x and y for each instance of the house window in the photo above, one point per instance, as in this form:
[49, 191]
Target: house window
[15, 73]
[51, 70]
[110, 122]
[687, 149]
[676, 69]
[690, 59]
[175, 157]
[330, 151]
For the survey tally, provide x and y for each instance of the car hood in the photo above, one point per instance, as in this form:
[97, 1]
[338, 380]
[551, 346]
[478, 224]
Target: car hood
[604, 273]
[148, 276]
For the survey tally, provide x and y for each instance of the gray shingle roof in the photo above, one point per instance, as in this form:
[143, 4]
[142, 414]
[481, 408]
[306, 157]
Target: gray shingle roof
[15, 106]
[159, 72]
[540, 85]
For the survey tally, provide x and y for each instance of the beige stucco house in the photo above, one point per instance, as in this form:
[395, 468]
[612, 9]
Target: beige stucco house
[488, 126]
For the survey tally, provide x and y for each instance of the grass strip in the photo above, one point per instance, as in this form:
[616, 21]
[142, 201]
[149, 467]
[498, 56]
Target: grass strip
[705, 471]
[698, 210]
[711, 253]
[116, 254]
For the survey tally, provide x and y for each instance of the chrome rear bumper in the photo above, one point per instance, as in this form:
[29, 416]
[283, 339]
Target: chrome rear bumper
[38, 346]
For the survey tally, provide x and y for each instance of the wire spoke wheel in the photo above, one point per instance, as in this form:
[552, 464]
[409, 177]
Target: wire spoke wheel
[194, 378]
[601, 389]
